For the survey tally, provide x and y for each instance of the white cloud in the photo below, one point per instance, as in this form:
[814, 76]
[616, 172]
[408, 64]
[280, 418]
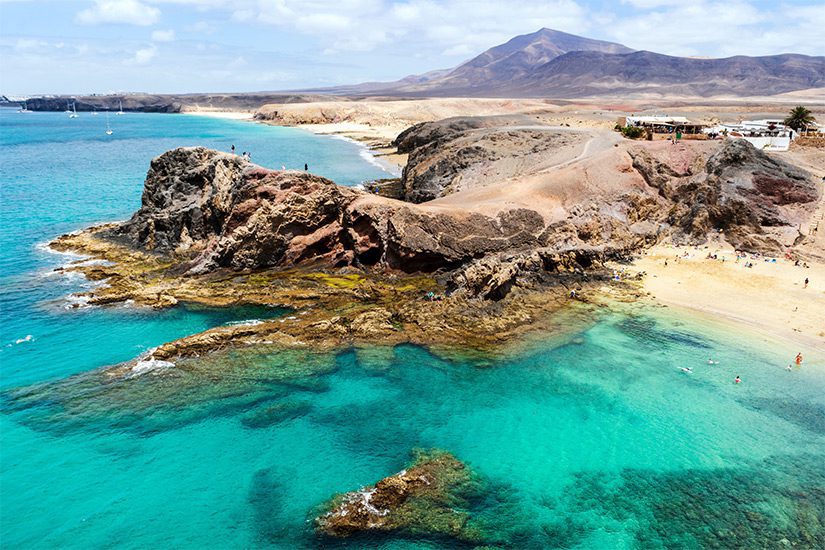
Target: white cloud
[699, 27]
[144, 55]
[647, 4]
[418, 26]
[130, 12]
[459, 50]
[163, 36]
[30, 44]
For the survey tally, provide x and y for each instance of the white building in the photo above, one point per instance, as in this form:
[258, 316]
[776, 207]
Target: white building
[662, 124]
[766, 134]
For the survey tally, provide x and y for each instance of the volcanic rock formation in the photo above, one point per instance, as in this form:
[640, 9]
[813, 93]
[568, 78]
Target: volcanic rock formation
[753, 198]
[208, 210]
[213, 210]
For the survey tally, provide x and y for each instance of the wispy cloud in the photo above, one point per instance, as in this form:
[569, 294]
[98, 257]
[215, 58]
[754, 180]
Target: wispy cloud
[130, 12]
[187, 45]
[144, 55]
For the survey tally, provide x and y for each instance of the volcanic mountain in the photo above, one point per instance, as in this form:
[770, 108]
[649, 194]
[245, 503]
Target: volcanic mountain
[549, 63]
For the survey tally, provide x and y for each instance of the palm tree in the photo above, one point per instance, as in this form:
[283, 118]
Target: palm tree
[799, 118]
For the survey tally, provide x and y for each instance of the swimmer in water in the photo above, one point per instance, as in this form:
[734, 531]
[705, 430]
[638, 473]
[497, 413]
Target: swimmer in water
[688, 370]
[788, 367]
[712, 362]
[737, 380]
[798, 358]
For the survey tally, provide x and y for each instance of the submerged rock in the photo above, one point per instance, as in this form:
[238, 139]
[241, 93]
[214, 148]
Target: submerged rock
[271, 414]
[425, 499]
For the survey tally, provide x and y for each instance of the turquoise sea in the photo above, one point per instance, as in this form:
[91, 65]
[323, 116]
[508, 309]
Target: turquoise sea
[592, 439]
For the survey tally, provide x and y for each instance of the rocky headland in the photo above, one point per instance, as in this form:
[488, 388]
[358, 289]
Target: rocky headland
[526, 217]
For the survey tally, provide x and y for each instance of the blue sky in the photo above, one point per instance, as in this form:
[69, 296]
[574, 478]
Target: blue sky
[248, 45]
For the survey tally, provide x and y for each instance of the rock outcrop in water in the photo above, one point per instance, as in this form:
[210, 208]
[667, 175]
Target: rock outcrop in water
[424, 499]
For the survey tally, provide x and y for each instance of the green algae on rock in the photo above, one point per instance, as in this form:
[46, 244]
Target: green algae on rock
[428, 498]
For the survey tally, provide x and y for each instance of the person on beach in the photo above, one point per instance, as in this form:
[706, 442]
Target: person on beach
[798, 359]
[233, 149]
[306, 167]
[737, 379]
[806, 283]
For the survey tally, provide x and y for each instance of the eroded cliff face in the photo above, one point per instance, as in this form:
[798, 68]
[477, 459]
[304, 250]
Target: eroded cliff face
[212, 210]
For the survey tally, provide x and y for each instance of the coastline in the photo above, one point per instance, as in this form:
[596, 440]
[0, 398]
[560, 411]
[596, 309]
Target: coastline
[759, 299]
[376, 140]
[768, 298]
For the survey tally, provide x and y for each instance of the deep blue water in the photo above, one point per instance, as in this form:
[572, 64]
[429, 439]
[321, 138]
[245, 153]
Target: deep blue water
[591, 439]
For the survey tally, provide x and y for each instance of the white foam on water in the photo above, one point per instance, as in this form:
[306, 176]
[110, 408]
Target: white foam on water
[77, 301]
[150, 365]
[366, 154]
[246, 323]
[91, 261]
[45, 247]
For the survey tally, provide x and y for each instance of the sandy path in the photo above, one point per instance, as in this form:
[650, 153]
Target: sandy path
[543, 188]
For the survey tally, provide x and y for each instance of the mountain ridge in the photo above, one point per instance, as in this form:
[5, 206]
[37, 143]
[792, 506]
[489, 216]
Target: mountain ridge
[549, 63]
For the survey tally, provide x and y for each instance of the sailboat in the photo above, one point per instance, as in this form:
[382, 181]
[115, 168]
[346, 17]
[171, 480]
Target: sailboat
[108, 128]
[74, 112]
[120, 112]
[68, 108]
[24, 108]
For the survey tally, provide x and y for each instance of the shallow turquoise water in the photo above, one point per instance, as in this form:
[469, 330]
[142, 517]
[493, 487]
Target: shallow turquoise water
[594, 439]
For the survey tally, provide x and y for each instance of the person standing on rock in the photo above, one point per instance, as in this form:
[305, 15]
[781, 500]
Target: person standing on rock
[306, 167]
[233, 149]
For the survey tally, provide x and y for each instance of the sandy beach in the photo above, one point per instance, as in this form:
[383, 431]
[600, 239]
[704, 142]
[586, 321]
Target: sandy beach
[770, 297]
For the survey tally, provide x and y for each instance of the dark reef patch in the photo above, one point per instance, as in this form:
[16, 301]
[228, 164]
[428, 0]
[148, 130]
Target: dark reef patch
[806, 415]
[650, 333]
[773, 504]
